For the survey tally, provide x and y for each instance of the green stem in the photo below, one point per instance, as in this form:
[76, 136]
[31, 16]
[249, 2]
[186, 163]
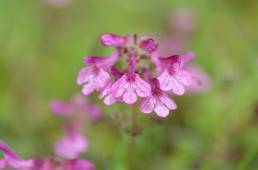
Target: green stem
[131, 139]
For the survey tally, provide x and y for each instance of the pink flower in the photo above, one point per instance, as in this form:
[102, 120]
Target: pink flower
[114, 40]
[158, 101]
[174, 76]
[182, 21]
[130, 85]
[93, 76]
[72, 144]
[11, 160]
[77, 105]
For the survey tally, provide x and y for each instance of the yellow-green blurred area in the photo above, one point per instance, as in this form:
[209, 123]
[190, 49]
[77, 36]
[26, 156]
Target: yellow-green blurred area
[41, 52]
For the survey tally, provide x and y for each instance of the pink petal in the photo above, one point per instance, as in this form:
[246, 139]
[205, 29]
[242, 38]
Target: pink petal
[168, 102]
[118, 86]
[101, 79]
[200, 81]
[84, 75]
[129, 96]
[72, 144]
[109, 100]
[160, 109]
[2, 164]
[183, 77]
[102, 62]
[168, 82]
[142, 88]
[113, 40]
[147, 105]
[188, 57]
[88, 88]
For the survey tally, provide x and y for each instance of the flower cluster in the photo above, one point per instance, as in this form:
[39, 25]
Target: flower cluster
[136, 70]
[12, 160]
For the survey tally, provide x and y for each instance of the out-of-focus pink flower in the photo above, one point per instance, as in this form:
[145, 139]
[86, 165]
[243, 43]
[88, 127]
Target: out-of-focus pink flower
[77, 105]
[182, 21]
[58, 3]
[130, 85]
[200, 81]
[72, 144]
[172, 45]
[93, 76]
[180, 25]
[158, 101]
[11, 160]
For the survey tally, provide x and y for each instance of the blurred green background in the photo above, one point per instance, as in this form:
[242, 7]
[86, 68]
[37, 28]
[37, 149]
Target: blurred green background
[41, 51]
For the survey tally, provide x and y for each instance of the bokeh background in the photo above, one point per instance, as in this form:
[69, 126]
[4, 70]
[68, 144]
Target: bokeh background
[41, 50]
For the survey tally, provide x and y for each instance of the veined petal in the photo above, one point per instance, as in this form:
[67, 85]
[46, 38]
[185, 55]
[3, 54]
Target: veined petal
[142, 88]
[168, 82]
[118, 88]
[168, 102]
[161, 109]
[129, 95]
[101, 79]
[147, 104]
[183, 77]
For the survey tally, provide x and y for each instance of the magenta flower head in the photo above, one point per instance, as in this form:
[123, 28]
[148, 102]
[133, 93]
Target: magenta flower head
[78, 105]
[72, 144]
[120, 77]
